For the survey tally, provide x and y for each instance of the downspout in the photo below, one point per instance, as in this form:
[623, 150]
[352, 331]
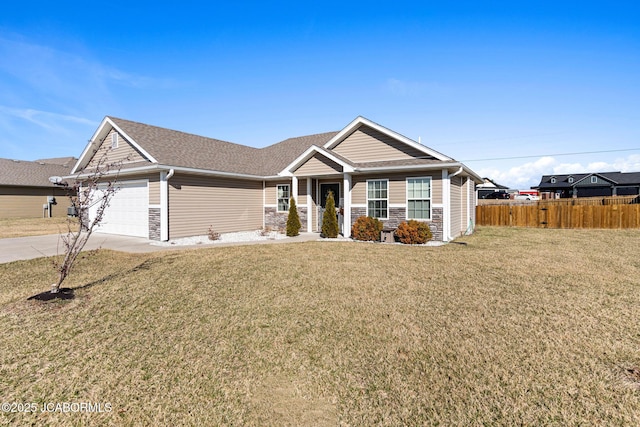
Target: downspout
[164, 204]
[458, 172]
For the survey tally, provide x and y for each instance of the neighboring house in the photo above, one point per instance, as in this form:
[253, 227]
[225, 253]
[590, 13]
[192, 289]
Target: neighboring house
[589, 185]
[489, 186]
[25, 189]
[175, 184]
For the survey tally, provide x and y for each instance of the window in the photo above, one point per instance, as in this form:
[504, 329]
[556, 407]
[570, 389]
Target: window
[418, 198]
[594, 179]
[114, 140]
[553, 180]
[283, 197]
[570, 180]
[378, 199]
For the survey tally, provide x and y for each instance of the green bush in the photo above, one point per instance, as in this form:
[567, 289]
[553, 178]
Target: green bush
[367, 228]
[329, 220]
[293, 220]
[413, 232]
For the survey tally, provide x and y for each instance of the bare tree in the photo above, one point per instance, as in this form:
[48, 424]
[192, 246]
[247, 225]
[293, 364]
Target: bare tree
[91, 192]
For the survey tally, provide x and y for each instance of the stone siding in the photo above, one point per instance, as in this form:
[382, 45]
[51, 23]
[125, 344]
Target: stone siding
[278, 220]
[397, 215]
[154, 223]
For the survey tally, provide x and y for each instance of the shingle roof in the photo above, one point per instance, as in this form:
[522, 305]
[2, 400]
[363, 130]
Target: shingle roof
[30, 174]
[180, 149]
[277, 156]
[175, 148]
[562, 181]
[64, 161]
[401, 162]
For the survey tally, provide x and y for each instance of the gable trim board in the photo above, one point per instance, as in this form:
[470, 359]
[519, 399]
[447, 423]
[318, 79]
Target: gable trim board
[186, 200]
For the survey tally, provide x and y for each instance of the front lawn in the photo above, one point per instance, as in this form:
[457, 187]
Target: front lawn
[24, 227]
[514, 327]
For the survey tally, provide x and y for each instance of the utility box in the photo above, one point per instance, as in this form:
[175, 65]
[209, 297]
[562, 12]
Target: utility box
[387, 235]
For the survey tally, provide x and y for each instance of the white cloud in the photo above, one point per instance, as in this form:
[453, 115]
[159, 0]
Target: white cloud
[528, 174]
[44, 119]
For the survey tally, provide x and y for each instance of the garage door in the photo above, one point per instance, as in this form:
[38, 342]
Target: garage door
[128, 210]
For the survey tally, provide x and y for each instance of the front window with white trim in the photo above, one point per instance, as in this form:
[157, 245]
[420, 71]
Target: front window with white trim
[419, 198]
[283, 197]
[378, 198]
[114, 140]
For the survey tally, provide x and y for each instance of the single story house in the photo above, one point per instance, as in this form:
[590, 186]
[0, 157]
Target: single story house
[174, 184]
[489, 186]
[25, 189]
[599, 184]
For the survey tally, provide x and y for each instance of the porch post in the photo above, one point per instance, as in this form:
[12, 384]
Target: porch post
[346, 218]
[446, 206]
[309, 207]
[294, 188]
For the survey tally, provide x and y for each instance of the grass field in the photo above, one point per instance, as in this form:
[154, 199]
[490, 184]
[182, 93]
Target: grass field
[515, 327]
[23, 227]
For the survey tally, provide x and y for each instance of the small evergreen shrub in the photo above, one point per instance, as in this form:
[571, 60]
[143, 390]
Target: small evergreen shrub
[367, 228]
[293, 220]
[413, 232]
[330, 226]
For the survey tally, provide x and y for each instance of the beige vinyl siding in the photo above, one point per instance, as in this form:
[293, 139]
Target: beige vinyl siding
[125, 152]
[318, 165]
[302, 191]
[26, 202]
[456, 206]
[154, 190]
[397, 187]
[369, 145]
[270, 193]
[228, 205]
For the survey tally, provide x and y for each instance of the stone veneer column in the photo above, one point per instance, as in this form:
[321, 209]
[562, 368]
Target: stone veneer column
[154, 223]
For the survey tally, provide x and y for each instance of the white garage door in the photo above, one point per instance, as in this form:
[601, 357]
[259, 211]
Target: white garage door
[128, 210]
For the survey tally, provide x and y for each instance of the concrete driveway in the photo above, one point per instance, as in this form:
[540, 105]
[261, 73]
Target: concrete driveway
[20, 248]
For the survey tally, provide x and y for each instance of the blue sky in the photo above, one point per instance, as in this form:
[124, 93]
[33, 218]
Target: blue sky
[506, 87]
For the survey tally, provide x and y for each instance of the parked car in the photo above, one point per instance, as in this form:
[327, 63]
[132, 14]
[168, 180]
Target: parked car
[526, 197]
[501, 195]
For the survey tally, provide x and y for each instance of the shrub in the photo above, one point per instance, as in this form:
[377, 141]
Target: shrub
[329, 220]
[293, 220]
[413, 232]
[213, 235]
[366, 228]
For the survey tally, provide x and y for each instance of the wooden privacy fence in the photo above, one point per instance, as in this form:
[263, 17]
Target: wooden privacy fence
[561, 214]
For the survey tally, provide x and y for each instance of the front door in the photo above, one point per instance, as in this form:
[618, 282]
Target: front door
[324, 193]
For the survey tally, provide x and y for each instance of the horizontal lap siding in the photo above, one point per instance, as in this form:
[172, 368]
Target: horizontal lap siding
[228, 205]
[318, 165]
[125, 152]
[456, 206]
[369, 145]
[270, 193]
[154, 190]
[25, 202]
[397, 187]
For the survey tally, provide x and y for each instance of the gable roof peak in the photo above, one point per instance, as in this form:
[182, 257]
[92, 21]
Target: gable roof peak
[363, 121]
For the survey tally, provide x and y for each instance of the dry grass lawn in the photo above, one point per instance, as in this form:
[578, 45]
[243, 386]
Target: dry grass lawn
[517, 327]
[24, 227]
